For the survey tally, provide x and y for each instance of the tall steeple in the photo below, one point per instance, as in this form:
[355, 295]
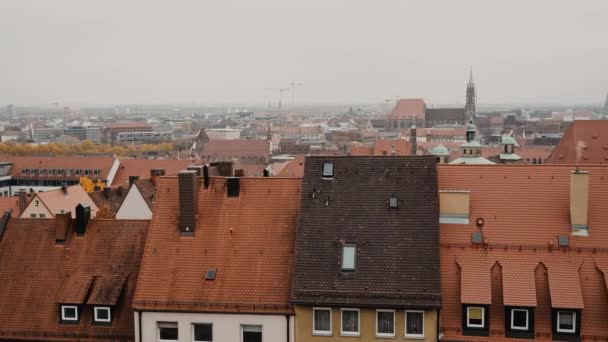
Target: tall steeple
[471, 102]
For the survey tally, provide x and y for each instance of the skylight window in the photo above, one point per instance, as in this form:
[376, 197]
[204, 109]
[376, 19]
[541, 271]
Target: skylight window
[211, 274]
[393, 202]
[349, 256]
[328, 170]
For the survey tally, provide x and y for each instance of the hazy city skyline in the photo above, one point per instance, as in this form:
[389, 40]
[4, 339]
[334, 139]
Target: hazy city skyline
[342, 51]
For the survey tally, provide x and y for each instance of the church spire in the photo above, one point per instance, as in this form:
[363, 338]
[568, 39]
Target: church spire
[471, 100]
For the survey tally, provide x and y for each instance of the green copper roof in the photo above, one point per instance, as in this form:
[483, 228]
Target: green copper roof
[440, 150]
[472, 161]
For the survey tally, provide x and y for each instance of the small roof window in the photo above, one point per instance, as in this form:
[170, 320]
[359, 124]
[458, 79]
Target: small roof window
[349, 257]
[393, 202]
[328, 170]
[211, 272]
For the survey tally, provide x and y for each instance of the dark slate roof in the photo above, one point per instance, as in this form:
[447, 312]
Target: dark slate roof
[445, 114]
[397, 249]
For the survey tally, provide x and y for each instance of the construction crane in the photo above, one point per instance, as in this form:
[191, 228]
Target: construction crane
[293, 86]
[281, 91]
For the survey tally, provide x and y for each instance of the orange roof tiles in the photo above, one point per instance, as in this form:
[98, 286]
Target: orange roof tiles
[564, 283]
[57, 201]
[42, 273]
[141, 168]
[525, 208]
[226, 149]
[9, 204]
[519, 286]
[295, 168]
[585, 142]
[104, 164]
[249, 240]
[405, 108]
[475, 279]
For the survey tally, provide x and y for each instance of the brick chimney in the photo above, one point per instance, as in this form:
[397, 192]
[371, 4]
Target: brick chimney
[579, 202]
[22, 201]
[154, 174]
[62, 226]
[188, 191]
[83, 214]
[132, 180]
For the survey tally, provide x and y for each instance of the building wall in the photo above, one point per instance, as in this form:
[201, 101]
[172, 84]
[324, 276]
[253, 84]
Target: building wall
[33, 209]
[226, 327]
[367, 326]
[134, 207]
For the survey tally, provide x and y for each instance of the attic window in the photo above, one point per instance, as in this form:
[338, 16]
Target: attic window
[211, 274]
[69, 313]
[393, 202]
[349, 257]
[328, 170]
[102, 314]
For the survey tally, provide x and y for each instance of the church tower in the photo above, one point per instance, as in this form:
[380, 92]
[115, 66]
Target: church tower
[469, 107]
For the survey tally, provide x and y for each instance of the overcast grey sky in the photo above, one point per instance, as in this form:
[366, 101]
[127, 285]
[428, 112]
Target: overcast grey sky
[221, 51]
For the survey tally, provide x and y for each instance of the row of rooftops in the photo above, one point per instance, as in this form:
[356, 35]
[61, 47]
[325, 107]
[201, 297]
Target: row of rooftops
[263, 244]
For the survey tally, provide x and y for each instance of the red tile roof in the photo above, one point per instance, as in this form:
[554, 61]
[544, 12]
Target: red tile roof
[141, 168]
[585, 142]
[39, 275]
[249, 240]
[226, 149]
[385, 147]
[525, 208]
[295, 168]
[405, 108]
[57, 162]
[9, 203]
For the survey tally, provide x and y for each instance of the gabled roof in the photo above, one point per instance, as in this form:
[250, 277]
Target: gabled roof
[397, 249]
[104, 164]
[147, 189]
[141, 168]
[585, 142]
[249, 240]
[446, 114]
[405, 108]
[108, 201]
[39, 275]
[58, 201]
[226, 149]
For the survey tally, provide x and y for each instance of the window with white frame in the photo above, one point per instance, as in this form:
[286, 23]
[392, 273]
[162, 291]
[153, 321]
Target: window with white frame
[102, 314]
[385, 323]
[349, 256]
[166, 331]
[251, 333]
[414, 323]
[321, 321]
[520, 319]
[566, 322]
[202, 332]
[69, 313]
[350, 322]
[328, 170]
[476, 317]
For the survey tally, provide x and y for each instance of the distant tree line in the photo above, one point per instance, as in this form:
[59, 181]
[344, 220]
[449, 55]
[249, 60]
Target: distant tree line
[87, 147]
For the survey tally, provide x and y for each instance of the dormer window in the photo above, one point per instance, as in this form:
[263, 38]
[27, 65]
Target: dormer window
[102, 314]
[69, 314]
[328, 170]
[349, 256]
[393, 202]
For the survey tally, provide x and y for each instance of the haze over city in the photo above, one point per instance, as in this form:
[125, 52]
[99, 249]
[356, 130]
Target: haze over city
[237, 52]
